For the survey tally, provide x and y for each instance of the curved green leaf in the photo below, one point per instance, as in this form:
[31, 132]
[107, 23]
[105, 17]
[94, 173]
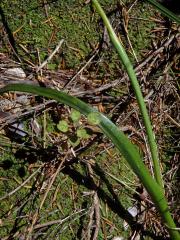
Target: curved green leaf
[166, 12]
[137, 90]
[128, 150]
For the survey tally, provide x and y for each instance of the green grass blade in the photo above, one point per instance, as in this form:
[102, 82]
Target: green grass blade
[166, 12]
[135, 84]
[128, 150]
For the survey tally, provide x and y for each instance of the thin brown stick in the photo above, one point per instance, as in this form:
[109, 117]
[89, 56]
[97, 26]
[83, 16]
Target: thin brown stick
[59, 221]
[138, 70]
[20, 186]
[49, 58]
[81, 70]
[44, 198]
[97, 216]
[172, 120]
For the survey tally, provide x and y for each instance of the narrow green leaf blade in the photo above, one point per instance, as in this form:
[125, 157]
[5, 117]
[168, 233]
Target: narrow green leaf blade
[166, 12]
[128, 150]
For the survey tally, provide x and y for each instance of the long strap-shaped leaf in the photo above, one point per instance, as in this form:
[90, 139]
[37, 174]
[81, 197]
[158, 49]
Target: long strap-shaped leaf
[137, 90]
[165, 11]
[128, 150]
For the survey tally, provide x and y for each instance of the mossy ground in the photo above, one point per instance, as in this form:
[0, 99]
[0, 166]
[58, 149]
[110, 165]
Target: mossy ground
[67, 194]
[36, 26]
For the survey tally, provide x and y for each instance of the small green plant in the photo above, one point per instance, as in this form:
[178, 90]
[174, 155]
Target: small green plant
[82, 133]
[75, 115]
[63, 126]
[73, 140]
[94, 118]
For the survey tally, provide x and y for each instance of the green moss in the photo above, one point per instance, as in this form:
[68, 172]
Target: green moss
[33, 29]
[73, 21]
[140, 28]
